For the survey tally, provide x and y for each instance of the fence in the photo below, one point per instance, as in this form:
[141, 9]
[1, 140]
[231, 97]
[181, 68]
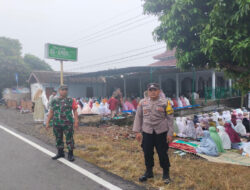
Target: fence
[221, 93]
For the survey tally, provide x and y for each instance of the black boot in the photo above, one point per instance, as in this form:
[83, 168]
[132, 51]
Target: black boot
[165, 176]
[148, 174]
[71, 157]
[60, 154]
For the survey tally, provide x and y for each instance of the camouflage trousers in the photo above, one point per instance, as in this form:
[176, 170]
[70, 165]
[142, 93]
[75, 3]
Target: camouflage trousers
[68, 131]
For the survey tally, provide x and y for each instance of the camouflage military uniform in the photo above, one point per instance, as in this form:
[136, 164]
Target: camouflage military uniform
[63, 122]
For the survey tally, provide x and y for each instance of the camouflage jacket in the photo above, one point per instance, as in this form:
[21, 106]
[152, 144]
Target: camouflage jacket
[62, 109]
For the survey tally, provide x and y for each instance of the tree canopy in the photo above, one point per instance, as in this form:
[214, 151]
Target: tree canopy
[34, 63]
[12, 62]
[206, 34]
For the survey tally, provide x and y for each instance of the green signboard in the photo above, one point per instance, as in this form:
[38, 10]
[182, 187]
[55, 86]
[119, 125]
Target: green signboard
[58, 52]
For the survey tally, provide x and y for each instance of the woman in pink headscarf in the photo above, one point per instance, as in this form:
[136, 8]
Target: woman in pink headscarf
[183, 101]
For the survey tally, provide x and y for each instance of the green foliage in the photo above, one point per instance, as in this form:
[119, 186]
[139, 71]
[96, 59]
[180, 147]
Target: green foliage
[35, 64]
[11, 62]
[206, 34]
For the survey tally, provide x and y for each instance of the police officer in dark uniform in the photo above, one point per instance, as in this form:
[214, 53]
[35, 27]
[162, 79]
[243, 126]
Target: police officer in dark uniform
[154, 125]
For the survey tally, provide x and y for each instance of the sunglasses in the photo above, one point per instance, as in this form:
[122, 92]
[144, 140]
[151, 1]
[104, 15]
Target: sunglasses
[64, 89]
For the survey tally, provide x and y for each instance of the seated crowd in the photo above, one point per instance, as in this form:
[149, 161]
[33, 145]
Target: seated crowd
[217, 131]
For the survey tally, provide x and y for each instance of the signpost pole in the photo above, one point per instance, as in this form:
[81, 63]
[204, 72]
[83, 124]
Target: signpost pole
[61, 72]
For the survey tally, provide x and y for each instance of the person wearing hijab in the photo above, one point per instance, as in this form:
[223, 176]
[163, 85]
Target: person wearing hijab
[41, 104]
[187, 101]
[190, 129]
[214, 135]
[245, 122]
[181, 123]
[226, 142]
[233, 119]
[220, 122]
[198, 130]
[240, 128]
[183, 101]
[195, 120]
[204, 124]
[212, 124]
[207, 146]
[179, 102]
[234, 137]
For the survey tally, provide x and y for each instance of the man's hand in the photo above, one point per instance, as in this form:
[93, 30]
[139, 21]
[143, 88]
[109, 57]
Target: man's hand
[138, 137]
[47, 127]
[169, 139]
[76, 125]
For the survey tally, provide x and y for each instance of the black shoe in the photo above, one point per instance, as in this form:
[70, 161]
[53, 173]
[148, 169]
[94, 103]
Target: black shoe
[71, 157]
[148, 174]
[166, 177]
[60, 154]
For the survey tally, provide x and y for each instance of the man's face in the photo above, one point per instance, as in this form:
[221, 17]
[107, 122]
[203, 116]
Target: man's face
[54, 93]
[63, 92]
[153, 93]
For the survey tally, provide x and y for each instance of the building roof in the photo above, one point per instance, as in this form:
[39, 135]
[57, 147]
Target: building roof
[165, 63]
[128, 71]
[46, 77]
[165, 59]
[168, 53]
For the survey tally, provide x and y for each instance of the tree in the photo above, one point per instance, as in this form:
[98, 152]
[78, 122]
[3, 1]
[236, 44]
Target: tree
[34, 63]
[11, 62]
[206, 34]
[226, 40]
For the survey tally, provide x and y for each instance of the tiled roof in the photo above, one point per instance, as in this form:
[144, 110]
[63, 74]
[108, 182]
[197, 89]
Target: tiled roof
[165, 63]
[169, 53]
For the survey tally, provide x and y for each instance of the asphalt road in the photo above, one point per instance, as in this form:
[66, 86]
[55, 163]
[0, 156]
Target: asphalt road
[24, 167]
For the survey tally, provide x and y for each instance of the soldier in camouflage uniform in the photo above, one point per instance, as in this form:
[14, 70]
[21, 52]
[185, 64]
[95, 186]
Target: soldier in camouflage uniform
[61, 114]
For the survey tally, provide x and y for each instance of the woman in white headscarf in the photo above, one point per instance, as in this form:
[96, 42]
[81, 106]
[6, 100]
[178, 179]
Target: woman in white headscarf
[199, 131]
[179, 102]
[187, 101]
[240, 128]
[215, 118]
[226, 142]
[190, 129]
[181, 123]
[41, 103]
[226, 116]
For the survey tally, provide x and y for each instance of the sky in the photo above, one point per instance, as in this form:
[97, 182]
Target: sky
[109, 34]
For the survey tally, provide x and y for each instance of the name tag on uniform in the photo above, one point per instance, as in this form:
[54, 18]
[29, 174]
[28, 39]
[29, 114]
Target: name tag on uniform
[145, 111]
[161, 109]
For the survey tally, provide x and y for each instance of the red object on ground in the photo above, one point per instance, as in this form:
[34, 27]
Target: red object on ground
[113, 103]
[182, 147]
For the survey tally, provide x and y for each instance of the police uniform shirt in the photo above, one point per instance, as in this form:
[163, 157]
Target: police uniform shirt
[151, 116]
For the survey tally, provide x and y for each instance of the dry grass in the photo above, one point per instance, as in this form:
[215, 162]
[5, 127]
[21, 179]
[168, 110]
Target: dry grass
[124, 157]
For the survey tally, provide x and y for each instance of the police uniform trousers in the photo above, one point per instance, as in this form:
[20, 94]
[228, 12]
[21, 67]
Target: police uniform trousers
[68, 131]
[159, 141]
